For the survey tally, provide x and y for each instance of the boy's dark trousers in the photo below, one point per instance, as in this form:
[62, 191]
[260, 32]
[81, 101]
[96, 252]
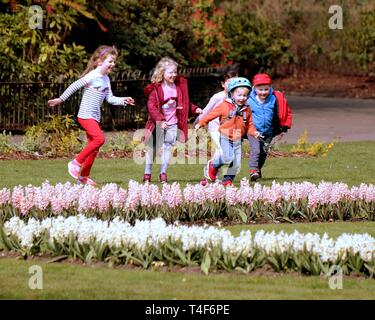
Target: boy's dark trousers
[258, 152]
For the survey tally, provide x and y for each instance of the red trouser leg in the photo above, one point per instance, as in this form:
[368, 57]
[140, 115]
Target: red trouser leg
[95, 139]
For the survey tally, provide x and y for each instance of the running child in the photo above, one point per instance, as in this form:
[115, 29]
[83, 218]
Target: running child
[235, 121]
[215, 100]
[97, 87]
[272, 116]
[168, 107]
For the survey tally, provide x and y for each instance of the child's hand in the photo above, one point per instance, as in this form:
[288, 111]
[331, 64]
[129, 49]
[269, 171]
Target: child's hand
[257, 134]
[198, 110]
[163, 125]
[197, 126]
[54, 102]
[284, 129]
[171, 103]
[129, 100]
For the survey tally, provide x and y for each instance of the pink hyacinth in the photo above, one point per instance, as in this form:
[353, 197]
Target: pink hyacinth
[119, 199]
[303, 190]
[257, 192]
[17, 196]
[231, 195]
[42, 200]
[215, 192]
[4, 196]
[155, 196]
[172, 195]
[88, 199]
[134, 195]
[188, 193]
[57, 205]
[25, 206]
[245, 193]
[274, 194]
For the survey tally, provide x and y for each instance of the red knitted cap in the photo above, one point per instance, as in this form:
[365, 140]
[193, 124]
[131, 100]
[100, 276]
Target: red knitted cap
[261, 78]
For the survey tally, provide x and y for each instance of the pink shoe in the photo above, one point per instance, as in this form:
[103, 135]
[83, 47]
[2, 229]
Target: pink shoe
[74, 168]
[204, 182]
[147, 177]
[163, 177]
[87, 180]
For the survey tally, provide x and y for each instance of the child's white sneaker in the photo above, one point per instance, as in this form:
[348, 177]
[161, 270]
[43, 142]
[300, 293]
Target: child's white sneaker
[74, 168]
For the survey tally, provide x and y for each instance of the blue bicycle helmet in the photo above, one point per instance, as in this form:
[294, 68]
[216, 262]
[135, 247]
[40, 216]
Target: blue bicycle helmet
[238, 82]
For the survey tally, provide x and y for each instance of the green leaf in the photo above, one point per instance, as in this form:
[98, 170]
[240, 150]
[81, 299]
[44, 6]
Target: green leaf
[242, 215]
[58, 259]
[206, 263]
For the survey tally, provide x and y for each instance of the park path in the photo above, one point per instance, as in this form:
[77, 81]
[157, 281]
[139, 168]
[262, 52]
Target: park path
[325, 119]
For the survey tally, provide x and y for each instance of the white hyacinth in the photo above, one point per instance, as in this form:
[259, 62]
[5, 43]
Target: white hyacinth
[155, 233]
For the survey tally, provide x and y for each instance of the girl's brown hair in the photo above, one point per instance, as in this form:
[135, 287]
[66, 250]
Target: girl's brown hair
[228, 75]
[100, 54]
[161, 66]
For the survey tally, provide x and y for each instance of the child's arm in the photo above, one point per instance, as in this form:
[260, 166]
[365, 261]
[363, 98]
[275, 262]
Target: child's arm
[75, 86]
[251, 130]
[212, 103]
[152, 107]
[218, 111]
[117, 101]
[54, 102]
[194, 109]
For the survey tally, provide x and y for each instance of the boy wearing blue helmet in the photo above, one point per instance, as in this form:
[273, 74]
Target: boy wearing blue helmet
[235, 121]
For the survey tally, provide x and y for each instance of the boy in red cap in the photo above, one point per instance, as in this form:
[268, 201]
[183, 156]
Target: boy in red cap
[271, 116]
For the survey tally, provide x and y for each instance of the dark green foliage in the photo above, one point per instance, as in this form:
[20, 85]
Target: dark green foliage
[57, 137]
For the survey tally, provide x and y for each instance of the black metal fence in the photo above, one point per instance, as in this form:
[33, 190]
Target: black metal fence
[25, 104]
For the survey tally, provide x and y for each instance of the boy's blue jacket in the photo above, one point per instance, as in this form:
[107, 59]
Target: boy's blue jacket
[263, 113]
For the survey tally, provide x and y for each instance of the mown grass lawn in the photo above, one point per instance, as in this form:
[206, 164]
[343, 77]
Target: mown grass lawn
[70, 281]
[350, 163]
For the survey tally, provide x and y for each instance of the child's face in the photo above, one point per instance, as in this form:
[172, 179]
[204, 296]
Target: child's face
[262, 91]
[240, 95]
[170, 74]
[107, 64]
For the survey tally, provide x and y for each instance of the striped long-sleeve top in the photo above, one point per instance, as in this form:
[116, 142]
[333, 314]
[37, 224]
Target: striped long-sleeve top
[97, 87]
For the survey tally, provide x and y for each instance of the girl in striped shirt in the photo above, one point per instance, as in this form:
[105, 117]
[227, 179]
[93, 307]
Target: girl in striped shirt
[97, 87]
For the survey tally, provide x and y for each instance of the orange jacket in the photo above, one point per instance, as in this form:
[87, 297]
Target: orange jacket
[231, 125]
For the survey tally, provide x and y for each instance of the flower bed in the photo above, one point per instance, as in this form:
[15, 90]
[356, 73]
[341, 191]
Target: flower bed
[154, 242]
[283, 202]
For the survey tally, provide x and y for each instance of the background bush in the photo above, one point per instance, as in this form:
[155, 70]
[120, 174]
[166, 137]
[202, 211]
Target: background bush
[283, 37]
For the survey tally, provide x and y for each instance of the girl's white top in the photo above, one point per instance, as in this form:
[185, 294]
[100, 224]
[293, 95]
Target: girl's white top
[97, 87]
[215, 100]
